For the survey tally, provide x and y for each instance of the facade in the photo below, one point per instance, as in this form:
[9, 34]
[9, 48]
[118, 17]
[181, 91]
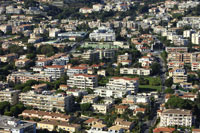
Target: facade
[54, 71]
[135, 99]
[135, 71]
[76, 70]
[103, 34]
[123, 83]
[178, 75]
[83, 81]
[172, 117]
[176, 49]
[46, 101]
[9, 95]
[100, 108]
[22, 62]
[13, 125]
[22, 77]
[89, 99]
[195, 38]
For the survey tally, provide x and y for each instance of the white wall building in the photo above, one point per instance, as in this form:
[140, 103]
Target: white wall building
[136, 71]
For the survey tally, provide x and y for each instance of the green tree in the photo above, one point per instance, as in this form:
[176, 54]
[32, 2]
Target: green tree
[169, 82]
[177, 102]
[85, 107]
[169, 90]
[156, 68]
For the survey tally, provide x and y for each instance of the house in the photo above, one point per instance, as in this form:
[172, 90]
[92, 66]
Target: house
[97, 128]
[46, 115]
[85, 10]
[93, 121]
[135, 99]
[195, 130]
[76, 70]
[125, 125]
[76, 92]
[163, 130]
[8, 57]
[120, 109]
[22, 62]
[139, 110]
[116, 129]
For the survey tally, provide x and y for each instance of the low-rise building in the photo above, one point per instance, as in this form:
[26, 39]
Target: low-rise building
[178, 75]
[135, 71]
[120, 109]
[172, 117]
[136, 99]
[46, 115]
[8, 57]
[22, 62]
[76, 70]
[163, 130]
[125, 125]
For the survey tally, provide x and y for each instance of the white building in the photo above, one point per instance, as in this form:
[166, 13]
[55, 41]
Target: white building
[97, 7]
[136, 71]
[173, 117]
[83, 81]
[188, 33]
[195, 38]
[102, 34]
[123, 83]
[76, 70]
[100, 108]
[107, 92]
[54, 71]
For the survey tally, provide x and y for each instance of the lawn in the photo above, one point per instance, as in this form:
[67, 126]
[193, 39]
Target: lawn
[147, 88]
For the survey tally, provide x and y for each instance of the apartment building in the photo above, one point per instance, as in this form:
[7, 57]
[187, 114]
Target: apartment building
[135, 99]
[23, 76]
[22, 62]
[195, 66]
[172, 65]
[83, 81]
[46, 115]
[107, 92]
[100, 108]
[172, 117]
[102, 34]
[46, 100]
[195, 38]
[176, 49]
[91, 55]
[90, 98]
[76, 70]
[125, 59]
[178, 75]
[9, 95]
[55, 71]
[135, 71]
[179, 57]
[123, 83]
[13, 125]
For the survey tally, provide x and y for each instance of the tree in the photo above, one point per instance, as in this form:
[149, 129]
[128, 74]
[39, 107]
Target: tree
[169, 82]
[169, 90]
[85, 107]
[48, 50]
[155, 68]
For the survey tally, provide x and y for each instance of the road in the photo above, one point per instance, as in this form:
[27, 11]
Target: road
[148, 124]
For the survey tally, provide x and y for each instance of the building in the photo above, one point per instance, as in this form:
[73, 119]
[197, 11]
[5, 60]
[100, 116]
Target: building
[108, 92]
[22, 77]
[163, 130]
[76, 70]
[195, 66]
[135, 71]
[125, 125]
[89, 99]
[9, 95]
[46, 101]
[123, 83]
[8, 57]
[83, 81]
[52, 125]
[120, 109]
[67, 35]
[102, 34]
[46, 115]
[136, 99]
[91, 55]
[125, 59]
[100, 108]
[173, 65]
[22, 62]
[55, 71]
[85, 10]
[176, 49]
[178, 75]
[13, 125]
[195, 38]
[172, 117]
